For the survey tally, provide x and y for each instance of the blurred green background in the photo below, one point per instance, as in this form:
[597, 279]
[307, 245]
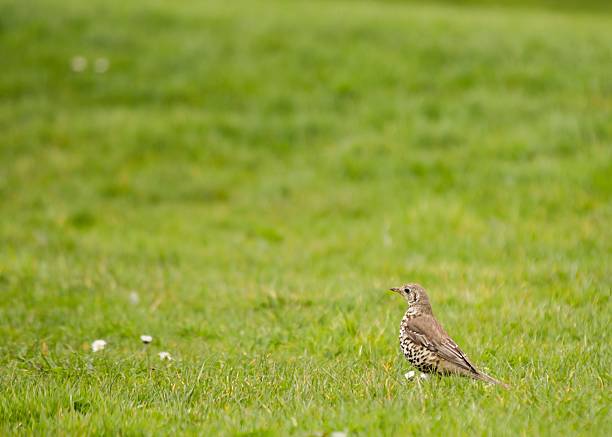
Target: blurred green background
[553, 5]
[243, 180]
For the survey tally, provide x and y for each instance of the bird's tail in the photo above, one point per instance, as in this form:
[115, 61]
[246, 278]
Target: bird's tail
[484, 377]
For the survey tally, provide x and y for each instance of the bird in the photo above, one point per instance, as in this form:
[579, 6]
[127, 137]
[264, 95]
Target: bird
[425, 343]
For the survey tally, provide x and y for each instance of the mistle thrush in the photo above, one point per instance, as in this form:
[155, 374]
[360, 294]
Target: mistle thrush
[425, 343]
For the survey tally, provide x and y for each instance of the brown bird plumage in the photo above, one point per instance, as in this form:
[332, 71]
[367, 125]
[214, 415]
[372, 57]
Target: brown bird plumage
[425, 343]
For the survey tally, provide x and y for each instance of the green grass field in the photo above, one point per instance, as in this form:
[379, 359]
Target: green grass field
[260, 173]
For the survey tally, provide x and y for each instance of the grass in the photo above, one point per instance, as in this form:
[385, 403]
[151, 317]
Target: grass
[260, 172]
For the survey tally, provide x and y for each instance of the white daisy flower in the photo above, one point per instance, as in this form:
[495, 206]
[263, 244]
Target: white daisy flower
[165, 356]
[98, 345]
[146, 339]
[410, 375]
[134, 298]
[78, 64]
[424, 375]
[101, 65]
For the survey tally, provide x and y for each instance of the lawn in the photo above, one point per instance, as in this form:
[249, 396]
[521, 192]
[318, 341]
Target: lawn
[244, 180]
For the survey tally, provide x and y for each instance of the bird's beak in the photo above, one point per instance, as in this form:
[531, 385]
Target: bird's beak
[394, 289]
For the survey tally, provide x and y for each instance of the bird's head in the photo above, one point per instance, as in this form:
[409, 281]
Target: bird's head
[414, 294]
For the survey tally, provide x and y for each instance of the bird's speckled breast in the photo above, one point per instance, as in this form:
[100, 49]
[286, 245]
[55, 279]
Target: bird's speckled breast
[420, 357]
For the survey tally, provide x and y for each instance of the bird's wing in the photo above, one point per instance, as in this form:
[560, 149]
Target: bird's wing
[427, 332]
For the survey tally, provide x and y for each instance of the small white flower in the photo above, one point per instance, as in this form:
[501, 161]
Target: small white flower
[424, 375]
[134, 298]
[78, 64]
[101, 65]
[98, 345]
[165, 356]
[146, 339]
[338, 434]
[410, 375]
